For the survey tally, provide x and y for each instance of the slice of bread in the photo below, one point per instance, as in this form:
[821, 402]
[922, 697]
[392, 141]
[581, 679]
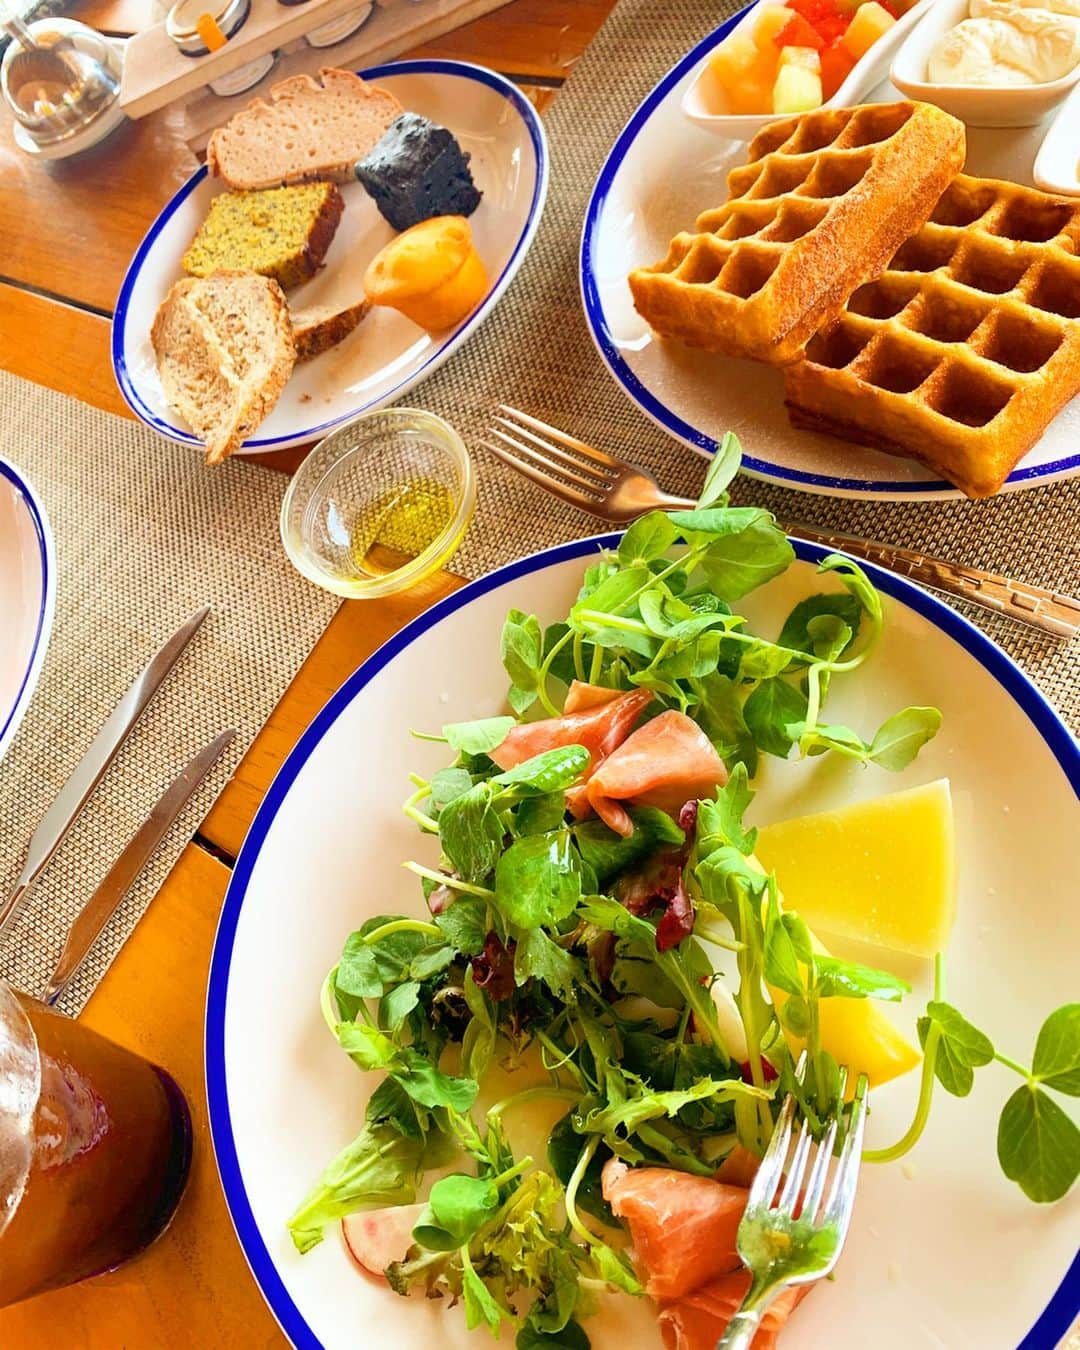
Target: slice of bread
[307, 130]
[319, 327]
[282, 233]
[224, 351]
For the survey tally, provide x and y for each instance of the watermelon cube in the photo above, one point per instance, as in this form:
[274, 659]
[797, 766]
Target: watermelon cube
[831, 27]
[869, 22]
[798, 33]
[836, 66]
[797, 89]
[812, 10]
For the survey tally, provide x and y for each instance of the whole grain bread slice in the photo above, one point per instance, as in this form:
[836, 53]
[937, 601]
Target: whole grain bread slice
[225, 351]
[309, 129]
[319, 327]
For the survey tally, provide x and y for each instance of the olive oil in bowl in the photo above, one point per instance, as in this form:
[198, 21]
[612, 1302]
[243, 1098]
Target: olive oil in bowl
[380, 504]
[400, 524]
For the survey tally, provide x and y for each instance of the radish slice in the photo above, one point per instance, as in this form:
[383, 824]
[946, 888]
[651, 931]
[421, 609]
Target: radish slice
[379, 1237]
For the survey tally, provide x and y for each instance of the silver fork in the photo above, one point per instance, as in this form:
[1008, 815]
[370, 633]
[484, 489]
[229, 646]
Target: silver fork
[780, 1250]
[616, 491]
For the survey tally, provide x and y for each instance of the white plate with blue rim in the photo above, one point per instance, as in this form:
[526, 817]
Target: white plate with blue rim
[943, 1252]
[662, 171]
[387, 354]
[27, 596]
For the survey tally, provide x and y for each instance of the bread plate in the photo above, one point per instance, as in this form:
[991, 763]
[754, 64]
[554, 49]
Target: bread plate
[324, 854]
[387, 354]
[27, 596]
[661, 172]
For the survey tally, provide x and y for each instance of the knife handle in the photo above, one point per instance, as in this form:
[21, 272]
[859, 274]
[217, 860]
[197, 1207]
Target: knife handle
[65, 808]
[1050, 612]
[102, 905]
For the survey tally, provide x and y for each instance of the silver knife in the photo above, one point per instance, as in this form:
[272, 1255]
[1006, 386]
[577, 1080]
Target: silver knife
[101, 906]
[87, 774]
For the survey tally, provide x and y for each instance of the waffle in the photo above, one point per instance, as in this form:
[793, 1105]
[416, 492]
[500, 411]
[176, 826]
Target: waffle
[962, 352]
[822, 205]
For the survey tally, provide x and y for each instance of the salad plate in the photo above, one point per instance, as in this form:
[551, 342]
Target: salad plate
[496, 124]
[662, 171]
[27, 596]
[943, 1250]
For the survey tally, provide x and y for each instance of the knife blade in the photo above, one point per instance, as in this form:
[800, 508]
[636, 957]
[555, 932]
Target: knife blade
[87, 774]
[101, 906]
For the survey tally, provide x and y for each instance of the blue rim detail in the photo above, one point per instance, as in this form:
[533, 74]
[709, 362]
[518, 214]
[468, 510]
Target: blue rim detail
[462, 69]
[1065, 1303]
[48, 583]
[648, 402]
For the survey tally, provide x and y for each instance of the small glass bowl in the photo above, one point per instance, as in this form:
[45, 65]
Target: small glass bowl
[383, 485]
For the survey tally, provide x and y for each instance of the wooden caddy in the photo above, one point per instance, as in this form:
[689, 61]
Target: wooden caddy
[157, 74]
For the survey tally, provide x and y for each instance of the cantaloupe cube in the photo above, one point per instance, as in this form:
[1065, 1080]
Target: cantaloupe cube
[868, 23]
[744, 74]
[770, 20]
[880, 871]
[797, 89]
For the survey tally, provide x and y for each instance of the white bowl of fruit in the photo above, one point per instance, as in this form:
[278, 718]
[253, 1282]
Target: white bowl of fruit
[787, 58]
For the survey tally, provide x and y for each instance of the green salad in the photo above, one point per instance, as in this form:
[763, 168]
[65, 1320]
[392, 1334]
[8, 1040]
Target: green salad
[580, 930]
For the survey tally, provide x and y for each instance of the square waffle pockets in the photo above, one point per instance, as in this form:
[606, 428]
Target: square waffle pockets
[824, 202]
[968, 345]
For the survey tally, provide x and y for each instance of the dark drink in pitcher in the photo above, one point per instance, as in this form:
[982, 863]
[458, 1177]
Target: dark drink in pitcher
[95, 1147]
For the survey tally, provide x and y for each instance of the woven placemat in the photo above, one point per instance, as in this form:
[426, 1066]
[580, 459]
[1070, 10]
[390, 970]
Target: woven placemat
[536, 353]
[144, 536]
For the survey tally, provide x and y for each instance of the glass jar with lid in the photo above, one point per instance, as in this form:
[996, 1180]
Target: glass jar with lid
[185, 25]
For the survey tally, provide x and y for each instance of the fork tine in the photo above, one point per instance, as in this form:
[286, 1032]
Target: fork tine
[771, 1166]
[571, 442]
[796, 1169]
[593, 471]
[842, 1195]
[550, 484]
[578, 474]
[551, 454]
[815, 1187]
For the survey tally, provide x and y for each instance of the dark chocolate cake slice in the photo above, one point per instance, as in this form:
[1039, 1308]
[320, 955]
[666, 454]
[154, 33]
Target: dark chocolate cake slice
[417, 171]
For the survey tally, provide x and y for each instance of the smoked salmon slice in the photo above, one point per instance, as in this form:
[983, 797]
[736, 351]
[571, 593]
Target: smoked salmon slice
[683, 1226]
[581, 695]
[739, 1168]
[599, 727]
[666, 763]
[697, 1321]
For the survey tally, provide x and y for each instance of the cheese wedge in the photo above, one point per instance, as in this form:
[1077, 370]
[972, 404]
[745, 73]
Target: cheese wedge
[881, 871]
[857, 1033]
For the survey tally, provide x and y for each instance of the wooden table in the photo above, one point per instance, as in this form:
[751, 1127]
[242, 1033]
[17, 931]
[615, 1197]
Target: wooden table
[68, 233]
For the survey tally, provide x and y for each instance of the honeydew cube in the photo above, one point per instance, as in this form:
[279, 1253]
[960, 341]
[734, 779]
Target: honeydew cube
[806, 58]
[869, 22]
[744, 74]
[797, 89]
[880, 871]
[770, 20]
